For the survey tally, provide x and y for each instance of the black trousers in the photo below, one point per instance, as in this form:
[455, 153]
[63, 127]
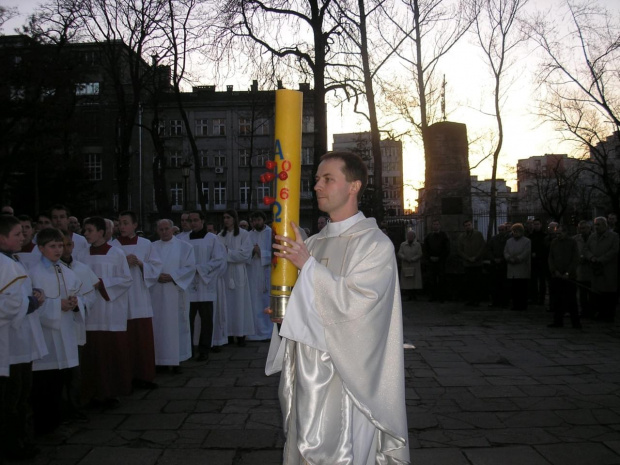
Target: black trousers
[473, 282]
[47, 387]
[15, 411]
[604, 305]
[518, 291]
[563, 298]
[499, 287]
[437, 280]
[538, 283]
[205, 310]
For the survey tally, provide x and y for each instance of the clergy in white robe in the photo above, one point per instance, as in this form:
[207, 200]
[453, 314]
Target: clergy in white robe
[145, 266]
[259, 276]
[342, 389]
[238, 299]
[170, 297]
[106, 368]
[205, 300]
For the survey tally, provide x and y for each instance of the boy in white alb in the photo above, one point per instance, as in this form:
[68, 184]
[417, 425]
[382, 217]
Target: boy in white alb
[145, 267]
[106, 369]
[61, 287]
[21, 342]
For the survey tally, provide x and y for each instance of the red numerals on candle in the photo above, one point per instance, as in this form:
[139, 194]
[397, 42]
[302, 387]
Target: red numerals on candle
[284, 193]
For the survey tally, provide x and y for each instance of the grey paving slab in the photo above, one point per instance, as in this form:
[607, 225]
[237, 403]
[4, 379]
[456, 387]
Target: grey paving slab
[197, 457]
[118, 455]
[512, 455]
[579, 454]
[143, 422]
[438, 456]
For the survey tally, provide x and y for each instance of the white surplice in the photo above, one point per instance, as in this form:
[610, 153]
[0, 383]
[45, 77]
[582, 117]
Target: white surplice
[259, 276]
[87, 294]
[171, 328]
[238, 299]
[143, 277]
[113, 271]
[342, 389]
[210, 257]
[26, 341]
[14, 302]
[58, 282]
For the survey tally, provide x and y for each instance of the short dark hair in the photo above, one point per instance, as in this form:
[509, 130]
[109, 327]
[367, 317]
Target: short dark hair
[59, 206]
[131, 214]
[48, 235]
[25, 218]
[197, 212]
[97, 222]
[259, 214]
[7, 223]
[354, 168]
[467, 221]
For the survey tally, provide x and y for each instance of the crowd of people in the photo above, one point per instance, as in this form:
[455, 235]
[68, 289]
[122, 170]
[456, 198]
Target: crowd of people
[522, 264]
[91, 311]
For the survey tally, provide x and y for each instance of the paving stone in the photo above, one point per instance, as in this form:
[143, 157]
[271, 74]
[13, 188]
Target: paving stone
[196, 457]
[531, 419]
[438, 456]
[250, 439]
[179, 393]
[485, 392]
[166, 421]
[121, 455]
[264, 457]
[227, 393]
[579, 454]
[526, 436]
[512, 455]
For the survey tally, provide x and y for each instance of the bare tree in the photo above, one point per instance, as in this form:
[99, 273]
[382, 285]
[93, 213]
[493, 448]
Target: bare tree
[297, 36]
[127, 30]
[556, 184]
[499, 34]
[6, 14]
[581, 86]
[431, 29]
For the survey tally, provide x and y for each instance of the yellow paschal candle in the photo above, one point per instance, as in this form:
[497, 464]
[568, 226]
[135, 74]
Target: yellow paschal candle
[287, 155]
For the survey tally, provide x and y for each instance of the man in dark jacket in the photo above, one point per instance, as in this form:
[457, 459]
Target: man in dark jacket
[563, 261]
[436, 250]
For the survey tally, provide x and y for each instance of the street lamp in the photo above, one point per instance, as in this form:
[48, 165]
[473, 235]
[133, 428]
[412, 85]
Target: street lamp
[185, 167]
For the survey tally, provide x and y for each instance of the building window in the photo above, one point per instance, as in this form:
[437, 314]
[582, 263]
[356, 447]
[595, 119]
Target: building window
[204, 159]
[219, 194]
[176, 127]
[161, 128]
[87, 88]
[262, 127]
[244, 157]
[245, 127]
[93, 165]
[219, 157]
[205, 192]
[261, 157]
[306, 189]
[244, 193]
[175, 160]
[219, 127]
[308, 124]
[201, 127]
[176, 195]
[262, 191]
[306, 155]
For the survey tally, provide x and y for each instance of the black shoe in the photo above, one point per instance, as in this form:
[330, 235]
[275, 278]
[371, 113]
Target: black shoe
[577, 326]
[202, 358]
[555, 325]
[216, 349]
[241, 341]
[176, 370]
[110, 403]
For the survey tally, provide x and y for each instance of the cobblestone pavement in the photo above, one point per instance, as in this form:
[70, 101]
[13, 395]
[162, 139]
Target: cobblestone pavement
[484, 386]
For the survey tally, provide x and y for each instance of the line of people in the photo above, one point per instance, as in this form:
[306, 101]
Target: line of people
[87, 319]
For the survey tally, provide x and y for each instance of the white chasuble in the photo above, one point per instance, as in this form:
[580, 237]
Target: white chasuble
[171, 328]
[342, 389]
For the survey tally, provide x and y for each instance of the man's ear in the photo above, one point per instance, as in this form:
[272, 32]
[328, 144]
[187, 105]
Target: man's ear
[356, 186]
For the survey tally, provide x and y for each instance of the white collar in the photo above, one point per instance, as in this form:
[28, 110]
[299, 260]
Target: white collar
[333, 229]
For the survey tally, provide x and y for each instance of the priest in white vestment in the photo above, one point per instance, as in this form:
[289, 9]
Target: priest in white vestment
[238, 300]
[170, 297]
[342, 389]
[259, 276]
